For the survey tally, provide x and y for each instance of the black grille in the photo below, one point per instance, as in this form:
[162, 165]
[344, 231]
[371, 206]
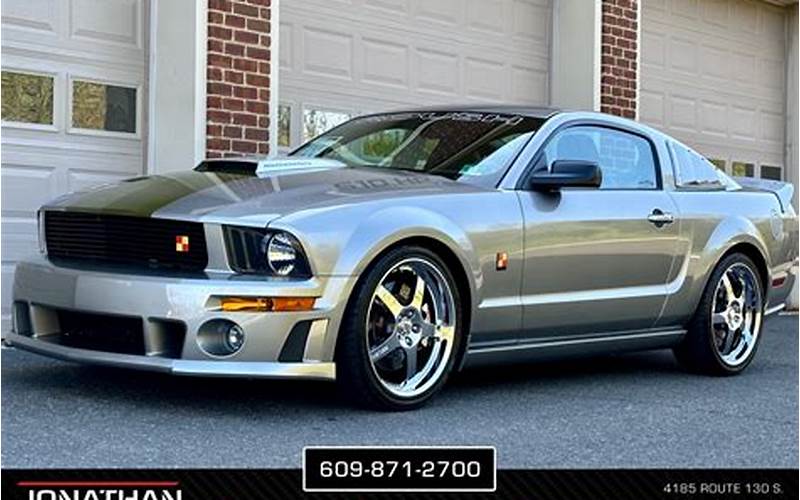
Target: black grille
[99, 332]
[94, 239]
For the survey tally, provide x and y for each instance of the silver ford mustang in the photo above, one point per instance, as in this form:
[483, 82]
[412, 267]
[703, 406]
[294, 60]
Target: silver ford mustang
[400, 247]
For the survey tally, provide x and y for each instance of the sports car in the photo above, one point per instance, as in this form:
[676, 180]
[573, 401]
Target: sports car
[401, 247]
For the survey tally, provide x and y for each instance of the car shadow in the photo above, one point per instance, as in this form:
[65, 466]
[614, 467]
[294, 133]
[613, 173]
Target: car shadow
[256, 395]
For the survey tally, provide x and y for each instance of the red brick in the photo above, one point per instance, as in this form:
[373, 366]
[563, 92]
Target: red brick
[234, 49]
[214, 74]
[245, 92]
[245, 65]
[255, 134]
[257, 53]
[219, 60]
[245, 37]
[258, 80]
[235, 21]
[215, 45]
[218, 144]
[217, 116]
[234, 77]
[223, 5]
[233, 132]
[222, 89]
[233, 104]
[245, 146]
[258, 25]
[214, 102]
[257, 107]
[215, 17]
[245, 10]
[246, 119]
[219, 32]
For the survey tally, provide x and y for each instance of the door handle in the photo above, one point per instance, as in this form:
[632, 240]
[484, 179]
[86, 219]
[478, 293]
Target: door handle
[660, 218]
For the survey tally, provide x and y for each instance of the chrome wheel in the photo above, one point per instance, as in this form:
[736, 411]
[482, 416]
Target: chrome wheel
[411, 326]
[736, 314]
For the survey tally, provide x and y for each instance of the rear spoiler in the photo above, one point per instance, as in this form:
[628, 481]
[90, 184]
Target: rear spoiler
[782, 190]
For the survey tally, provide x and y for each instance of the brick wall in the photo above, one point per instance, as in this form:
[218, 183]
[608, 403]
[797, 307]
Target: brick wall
[238, 77]
[619, 67]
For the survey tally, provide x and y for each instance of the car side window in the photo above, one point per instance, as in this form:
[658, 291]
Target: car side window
[626, 160]
[694, 171]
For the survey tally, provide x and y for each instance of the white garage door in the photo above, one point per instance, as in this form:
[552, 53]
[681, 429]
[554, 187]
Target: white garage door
[73, 90]
[713, 76]
[339, 59]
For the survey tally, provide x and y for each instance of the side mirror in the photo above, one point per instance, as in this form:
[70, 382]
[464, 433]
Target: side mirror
[568, 173]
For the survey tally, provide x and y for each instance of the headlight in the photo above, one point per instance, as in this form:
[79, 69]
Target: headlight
[258, 251]
[281, 254]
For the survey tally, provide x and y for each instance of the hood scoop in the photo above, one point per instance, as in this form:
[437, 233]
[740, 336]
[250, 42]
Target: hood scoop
[266, 167]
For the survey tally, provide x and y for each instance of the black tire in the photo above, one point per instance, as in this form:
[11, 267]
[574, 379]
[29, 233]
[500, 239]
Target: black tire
[355, 377]
[697, 352]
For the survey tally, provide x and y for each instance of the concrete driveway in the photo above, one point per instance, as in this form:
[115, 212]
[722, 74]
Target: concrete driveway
[635, 410]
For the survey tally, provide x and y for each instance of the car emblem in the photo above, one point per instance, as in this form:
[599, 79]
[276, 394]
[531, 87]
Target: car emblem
[182, 244]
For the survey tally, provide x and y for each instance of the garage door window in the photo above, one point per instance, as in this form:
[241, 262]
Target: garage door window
[742, 169]
[771, 172]
[27, 98]
[318, 121]
[103, 107]
[284, 125]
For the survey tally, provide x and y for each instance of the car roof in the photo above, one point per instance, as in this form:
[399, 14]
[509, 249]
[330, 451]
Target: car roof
[542, 112]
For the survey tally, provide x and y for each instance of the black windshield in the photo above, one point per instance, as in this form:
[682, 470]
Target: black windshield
[456, 145]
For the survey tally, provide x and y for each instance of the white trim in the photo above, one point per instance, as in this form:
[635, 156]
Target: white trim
[597, 70]
[152, 129]
[274, 75]
[201, 87]
[554, 46]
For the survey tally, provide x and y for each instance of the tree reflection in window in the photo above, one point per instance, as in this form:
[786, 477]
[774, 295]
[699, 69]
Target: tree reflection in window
[317, 121]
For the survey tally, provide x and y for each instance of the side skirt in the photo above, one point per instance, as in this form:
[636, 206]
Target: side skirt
[572, 346]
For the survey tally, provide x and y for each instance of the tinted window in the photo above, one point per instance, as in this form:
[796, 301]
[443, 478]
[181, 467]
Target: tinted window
[770, 172]
[692, 170]
[459, 145]
[626, 160]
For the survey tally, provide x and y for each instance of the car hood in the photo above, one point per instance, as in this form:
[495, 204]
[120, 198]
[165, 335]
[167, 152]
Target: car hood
[253, 200]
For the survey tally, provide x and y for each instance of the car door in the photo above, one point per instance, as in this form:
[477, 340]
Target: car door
[597, 259]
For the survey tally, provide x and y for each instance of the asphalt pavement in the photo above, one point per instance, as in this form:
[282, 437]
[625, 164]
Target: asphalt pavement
[632, 410]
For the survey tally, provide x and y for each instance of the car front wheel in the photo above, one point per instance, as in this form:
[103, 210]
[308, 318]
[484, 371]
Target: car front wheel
[401, 332]
[723, 334]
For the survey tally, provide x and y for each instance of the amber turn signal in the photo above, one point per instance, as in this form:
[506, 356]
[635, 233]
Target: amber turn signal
[267, 304]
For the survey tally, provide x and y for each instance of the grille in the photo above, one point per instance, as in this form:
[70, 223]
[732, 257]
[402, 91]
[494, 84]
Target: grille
[97, 239]
[98, 332]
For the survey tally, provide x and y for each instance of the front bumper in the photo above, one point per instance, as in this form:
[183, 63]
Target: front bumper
[171, 311]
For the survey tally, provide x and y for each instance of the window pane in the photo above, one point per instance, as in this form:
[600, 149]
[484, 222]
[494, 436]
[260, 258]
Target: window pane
[742, 169]
[27, 98]
[626, 160]
[98, 106]
[284, 125]
[720, 164]
[773, 173]
[317, 121]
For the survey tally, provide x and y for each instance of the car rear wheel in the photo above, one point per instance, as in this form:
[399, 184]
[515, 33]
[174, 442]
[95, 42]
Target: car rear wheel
[724, 332]
[401, 332]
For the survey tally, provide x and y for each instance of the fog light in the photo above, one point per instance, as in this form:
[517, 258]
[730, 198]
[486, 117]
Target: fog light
[234, 338]
[220, 337]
